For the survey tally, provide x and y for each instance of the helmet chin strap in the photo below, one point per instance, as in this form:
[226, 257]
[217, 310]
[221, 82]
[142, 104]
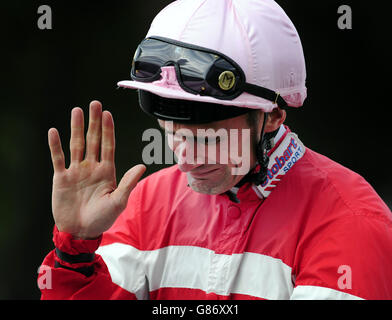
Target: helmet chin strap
[264, 145]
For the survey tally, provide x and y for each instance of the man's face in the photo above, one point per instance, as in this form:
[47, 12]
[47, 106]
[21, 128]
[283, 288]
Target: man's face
[215, 156]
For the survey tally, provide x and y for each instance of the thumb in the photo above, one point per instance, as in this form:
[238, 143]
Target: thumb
[127, 183]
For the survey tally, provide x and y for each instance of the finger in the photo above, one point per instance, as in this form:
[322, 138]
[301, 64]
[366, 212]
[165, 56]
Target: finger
[77, 135]
[56, 151]
[108, 139]
[93, 138]
[126, 185]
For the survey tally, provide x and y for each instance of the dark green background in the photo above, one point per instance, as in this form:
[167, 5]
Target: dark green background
[45, 73]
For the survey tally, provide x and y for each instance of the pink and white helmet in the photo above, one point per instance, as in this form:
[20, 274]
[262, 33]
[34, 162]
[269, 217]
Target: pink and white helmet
[256, 34]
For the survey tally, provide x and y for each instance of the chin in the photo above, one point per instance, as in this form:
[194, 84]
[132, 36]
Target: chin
[211, 187]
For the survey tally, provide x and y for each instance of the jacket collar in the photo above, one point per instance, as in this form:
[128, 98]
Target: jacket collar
[286, 151]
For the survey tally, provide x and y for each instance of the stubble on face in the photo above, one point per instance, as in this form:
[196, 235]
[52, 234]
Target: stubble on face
[218, 178]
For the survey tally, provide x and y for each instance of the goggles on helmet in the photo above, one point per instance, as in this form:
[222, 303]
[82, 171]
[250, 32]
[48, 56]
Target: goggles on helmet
[199, 70]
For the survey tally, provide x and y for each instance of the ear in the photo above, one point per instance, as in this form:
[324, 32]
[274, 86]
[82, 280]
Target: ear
[275, 118]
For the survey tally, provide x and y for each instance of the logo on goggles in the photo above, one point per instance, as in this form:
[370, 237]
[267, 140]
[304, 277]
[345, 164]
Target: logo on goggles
[226, 80]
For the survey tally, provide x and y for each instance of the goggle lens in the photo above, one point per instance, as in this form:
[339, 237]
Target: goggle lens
[198, 71]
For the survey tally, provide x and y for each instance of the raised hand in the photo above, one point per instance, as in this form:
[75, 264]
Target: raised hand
[85, 198]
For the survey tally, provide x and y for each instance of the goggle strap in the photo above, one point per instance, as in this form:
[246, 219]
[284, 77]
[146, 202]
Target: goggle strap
[265, 93]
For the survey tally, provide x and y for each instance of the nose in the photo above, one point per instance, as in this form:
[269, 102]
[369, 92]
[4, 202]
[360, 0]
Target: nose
[186, 153]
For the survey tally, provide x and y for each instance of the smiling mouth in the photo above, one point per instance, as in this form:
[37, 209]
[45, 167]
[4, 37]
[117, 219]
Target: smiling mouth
[202, 174]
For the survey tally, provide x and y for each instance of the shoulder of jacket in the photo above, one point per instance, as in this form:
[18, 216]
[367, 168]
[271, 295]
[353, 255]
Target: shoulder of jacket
[340, 186]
